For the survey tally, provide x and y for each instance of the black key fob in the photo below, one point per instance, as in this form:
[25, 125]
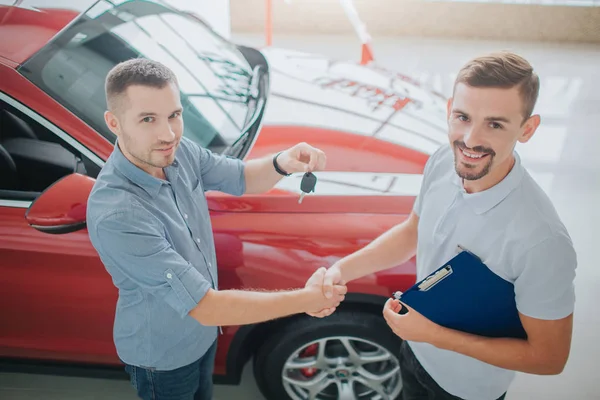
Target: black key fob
[309, 181]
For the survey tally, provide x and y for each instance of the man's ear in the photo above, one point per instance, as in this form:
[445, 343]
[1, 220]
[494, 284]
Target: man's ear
[529, 128]
[112, 122]
[449, 108]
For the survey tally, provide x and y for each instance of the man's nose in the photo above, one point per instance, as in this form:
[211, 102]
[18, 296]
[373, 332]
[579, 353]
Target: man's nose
[473, 137]
[166, 134]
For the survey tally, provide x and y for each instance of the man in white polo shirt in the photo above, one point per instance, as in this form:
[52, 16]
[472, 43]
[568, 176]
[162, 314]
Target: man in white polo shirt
[476, 194]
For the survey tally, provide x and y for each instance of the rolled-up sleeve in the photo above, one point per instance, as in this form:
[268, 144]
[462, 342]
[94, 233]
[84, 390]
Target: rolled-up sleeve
[222, 173]
[133, 246]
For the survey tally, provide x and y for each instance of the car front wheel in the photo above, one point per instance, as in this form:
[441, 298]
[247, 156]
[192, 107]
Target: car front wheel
[349, 355]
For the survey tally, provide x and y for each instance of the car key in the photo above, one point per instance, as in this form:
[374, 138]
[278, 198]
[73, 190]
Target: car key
[309, 180]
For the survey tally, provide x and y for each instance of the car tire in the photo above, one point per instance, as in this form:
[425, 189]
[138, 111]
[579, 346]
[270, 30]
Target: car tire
[367, 334]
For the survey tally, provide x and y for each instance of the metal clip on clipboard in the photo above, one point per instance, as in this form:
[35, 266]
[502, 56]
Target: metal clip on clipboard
[426, 284]
[434, 279]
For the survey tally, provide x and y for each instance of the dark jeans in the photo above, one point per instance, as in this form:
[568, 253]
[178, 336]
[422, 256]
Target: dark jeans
[417, 384]
[191, 382]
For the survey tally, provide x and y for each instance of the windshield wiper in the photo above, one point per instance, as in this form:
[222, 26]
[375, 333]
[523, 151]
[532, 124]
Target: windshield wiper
[255, 104]
[252, 97]
[254, 84]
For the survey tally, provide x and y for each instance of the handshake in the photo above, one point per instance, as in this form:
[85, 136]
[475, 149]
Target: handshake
[325, 290]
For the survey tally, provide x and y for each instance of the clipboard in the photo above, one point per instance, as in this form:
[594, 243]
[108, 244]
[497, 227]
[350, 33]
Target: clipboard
[465, 295]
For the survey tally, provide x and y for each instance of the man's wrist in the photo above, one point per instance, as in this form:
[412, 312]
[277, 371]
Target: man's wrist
[341, 270]
[443, 338]
[303, 298]
[343, 273]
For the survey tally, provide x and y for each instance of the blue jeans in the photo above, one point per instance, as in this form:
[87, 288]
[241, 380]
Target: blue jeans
[191, 382]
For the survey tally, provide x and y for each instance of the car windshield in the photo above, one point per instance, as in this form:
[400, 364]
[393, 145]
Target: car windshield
[214, 77]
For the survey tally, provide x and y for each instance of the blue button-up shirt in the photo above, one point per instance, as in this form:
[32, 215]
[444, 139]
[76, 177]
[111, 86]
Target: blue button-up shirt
[155, 238]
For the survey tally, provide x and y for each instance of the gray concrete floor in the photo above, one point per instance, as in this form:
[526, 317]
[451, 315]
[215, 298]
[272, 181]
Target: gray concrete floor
[563, 157]
[19, 386]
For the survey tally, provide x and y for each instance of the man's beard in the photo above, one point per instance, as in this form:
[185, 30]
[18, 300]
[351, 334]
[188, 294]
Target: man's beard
[472, 175]
[146, 159]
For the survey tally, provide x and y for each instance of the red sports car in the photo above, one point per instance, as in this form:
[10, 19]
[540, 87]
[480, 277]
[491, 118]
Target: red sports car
[377, 128]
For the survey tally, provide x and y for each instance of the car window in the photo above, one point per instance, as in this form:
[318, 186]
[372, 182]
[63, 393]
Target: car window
[32, 157]
[213, 75]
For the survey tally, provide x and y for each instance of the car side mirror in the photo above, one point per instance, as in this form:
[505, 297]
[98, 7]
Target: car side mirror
[61, 208]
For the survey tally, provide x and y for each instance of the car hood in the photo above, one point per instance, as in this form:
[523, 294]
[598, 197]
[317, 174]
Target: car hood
[376, 127]
[31, 24]
[312, 90]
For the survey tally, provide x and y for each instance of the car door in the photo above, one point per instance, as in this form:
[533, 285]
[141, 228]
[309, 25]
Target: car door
[57, 300]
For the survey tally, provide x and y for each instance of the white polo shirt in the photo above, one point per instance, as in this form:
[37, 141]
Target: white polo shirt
[515, 230]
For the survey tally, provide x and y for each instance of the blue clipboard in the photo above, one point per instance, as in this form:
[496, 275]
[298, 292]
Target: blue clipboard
[465, 295]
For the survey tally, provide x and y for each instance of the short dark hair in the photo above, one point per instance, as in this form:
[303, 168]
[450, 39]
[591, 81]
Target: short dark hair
[137, 71]
[503, 70]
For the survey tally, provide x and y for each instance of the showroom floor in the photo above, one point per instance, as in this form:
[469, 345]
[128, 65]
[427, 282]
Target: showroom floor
[569, 171]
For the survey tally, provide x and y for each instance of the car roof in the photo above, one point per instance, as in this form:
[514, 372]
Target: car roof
[29, 25]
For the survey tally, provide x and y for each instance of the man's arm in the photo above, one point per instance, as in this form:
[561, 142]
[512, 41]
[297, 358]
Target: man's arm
[261, 176]
[392, 248]
[237, 307]
[545, 352]
[233, 176]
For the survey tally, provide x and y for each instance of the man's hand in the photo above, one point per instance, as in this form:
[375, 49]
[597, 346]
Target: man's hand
[302, 158]
[411, 326]
[333, 276]
[260, 176]
[321, 306]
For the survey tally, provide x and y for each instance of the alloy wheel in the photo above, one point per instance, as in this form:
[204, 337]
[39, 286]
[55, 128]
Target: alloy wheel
[342, 368]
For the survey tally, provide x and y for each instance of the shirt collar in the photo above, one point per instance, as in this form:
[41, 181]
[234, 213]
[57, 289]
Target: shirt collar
[140, 177]
[489, 198]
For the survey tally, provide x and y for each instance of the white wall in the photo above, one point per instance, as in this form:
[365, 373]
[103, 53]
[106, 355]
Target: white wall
[433, 18]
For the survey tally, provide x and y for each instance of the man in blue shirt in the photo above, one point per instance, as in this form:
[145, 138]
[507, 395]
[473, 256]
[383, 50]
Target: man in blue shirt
[149, 221]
